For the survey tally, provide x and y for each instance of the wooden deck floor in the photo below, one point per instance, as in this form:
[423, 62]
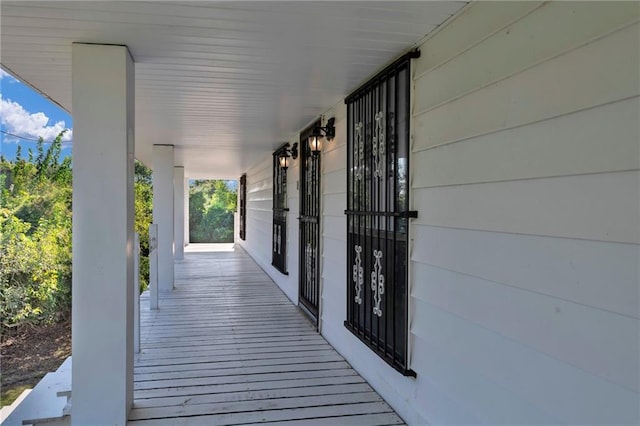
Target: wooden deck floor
[228, 348]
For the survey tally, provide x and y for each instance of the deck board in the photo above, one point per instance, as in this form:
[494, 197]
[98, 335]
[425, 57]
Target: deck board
[227, 347]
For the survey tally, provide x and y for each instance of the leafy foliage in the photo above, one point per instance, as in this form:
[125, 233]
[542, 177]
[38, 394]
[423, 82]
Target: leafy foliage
[211, 211]
[144, 216]
[35, 234]
[35, 237]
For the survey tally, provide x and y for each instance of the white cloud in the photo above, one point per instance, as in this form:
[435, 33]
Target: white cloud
[4, 74]
[18, 121]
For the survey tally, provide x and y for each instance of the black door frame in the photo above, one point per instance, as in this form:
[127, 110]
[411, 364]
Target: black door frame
[309, 234]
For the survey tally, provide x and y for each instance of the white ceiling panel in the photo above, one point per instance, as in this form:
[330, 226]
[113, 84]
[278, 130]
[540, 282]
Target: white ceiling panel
[225, 82]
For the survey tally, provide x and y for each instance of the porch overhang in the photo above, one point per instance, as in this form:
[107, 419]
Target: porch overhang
[224, 82]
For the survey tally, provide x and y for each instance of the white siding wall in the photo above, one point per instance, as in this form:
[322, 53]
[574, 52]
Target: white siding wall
[334, 235]
[260, 223]
[524, 259]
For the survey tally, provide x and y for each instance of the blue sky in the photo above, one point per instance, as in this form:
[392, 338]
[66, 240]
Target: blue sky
[28, 115]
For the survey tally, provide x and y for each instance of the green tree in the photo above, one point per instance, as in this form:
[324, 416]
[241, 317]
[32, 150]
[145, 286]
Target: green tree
[35, 237]
[211, 211]
[35, 234]
[143, 188]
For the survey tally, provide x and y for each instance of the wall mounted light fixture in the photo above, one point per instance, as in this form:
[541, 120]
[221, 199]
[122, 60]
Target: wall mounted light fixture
[287, 154]
[319, 134]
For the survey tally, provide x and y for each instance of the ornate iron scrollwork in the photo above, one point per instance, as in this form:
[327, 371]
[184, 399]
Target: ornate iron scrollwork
[358, 275]
[377, 282]
[378, 148]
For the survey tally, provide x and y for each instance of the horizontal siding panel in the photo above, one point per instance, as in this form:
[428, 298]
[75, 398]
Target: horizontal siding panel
[601, 72]
[259, 212]
[339, 113]
[335, 182]
[577, 334]
[260, 225]
[473, 24]
[571, 144]
[334, 292]
[259, 205]
[335, 227]
[259, 192]
[603, 207]
[438, 405]
[334, 204]
[334, 160]
[340, 139]
[263, 215]
[261, 170]
[259, 188]
[602, 275]
[333, 255]
[537, 36]
[260, 177]
[334, 275]
[332, 312]
[334, 305]
[478, 400]
[559, 389]
[260, 195]
[260, 238]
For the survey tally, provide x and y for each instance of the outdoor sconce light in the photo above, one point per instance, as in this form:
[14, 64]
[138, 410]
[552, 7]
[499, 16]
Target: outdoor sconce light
[284, 158]
[319, 133]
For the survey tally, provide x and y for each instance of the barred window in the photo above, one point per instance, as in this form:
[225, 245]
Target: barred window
[280, 211]
[243, 207]
[378, 213]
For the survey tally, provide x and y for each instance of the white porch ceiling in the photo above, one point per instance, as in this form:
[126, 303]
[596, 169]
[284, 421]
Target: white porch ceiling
[225, 82]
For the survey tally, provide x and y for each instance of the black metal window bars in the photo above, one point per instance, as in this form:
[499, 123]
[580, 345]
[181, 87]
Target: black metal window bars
[243, 207]
[378, 212]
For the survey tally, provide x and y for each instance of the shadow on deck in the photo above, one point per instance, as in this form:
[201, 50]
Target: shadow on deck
[227, 347]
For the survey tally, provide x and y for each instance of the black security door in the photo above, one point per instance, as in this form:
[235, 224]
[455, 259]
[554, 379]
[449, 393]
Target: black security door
[309, 285]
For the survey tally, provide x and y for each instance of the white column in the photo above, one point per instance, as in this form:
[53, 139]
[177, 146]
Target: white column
[163, 212]
[103, 229]
[153, 266]
[136, 293]
[186, 212]
[178, 199]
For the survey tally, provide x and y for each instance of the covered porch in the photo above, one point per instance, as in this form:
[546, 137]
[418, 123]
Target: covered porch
[227, 347]
[498, 140]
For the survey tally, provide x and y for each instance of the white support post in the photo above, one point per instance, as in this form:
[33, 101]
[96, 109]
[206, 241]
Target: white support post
[186, 212]
[153, 266]
[136, 294]
[178, 198]
[103, 228]
[163, 212]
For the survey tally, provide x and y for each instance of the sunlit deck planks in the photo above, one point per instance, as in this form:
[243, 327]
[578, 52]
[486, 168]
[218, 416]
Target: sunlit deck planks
[228, 348]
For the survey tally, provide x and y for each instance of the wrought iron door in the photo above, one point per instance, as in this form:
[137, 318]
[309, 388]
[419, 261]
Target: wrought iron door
[280, 211]
[309, 276]
[243, 207]
[378, 213]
